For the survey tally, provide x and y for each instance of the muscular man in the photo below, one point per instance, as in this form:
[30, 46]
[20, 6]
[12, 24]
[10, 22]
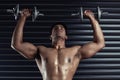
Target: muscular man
[57, 62]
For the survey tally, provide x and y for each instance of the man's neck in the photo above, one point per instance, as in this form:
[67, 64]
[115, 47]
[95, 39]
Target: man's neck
[59, 43]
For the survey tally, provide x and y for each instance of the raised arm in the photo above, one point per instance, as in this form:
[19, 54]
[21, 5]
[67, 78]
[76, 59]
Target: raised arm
[89, 49]
[26, 49]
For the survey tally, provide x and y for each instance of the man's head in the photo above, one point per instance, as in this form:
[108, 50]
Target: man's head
[58, 30]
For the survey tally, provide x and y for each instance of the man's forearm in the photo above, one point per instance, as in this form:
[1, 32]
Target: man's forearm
[98, 34]
[18, 31]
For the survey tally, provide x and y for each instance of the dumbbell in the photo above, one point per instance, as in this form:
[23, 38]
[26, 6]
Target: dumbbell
[16, 11]
[99, 13]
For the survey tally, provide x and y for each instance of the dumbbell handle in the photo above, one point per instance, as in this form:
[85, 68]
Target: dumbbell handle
[103, 13]
[10, 11]
[41, 14]
[75, 14]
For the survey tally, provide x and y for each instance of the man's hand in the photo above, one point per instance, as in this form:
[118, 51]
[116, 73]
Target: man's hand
[89, 13]
[25, 13]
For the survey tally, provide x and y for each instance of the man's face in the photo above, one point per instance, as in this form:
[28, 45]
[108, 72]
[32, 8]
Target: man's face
[58, 31]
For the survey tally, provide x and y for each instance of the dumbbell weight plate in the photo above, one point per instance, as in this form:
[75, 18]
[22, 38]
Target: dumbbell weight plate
[99, 12]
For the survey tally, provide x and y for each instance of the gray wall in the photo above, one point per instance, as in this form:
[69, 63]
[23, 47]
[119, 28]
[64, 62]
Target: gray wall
[104, 65]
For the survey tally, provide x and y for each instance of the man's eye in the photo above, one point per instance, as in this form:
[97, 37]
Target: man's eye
[55, 28]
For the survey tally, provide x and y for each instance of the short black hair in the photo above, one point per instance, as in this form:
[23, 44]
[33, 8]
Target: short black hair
[61, 23]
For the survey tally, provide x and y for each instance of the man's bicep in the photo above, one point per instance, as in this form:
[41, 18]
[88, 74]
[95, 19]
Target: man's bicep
[89, 49]
[28, 50]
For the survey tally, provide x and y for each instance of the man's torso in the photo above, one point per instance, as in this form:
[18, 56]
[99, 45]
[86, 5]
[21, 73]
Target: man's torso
[58, 64]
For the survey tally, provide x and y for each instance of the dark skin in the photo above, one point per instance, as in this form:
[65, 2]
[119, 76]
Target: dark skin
[57, 62]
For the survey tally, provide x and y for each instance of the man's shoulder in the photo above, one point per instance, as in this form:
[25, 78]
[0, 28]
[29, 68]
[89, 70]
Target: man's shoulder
[43, 47]
[40, 46]
[76, 46]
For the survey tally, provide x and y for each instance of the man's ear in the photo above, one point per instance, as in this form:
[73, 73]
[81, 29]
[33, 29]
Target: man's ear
[50, 37]
[66, 37]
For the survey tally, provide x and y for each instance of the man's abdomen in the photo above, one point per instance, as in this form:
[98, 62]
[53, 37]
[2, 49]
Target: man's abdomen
[60, 72]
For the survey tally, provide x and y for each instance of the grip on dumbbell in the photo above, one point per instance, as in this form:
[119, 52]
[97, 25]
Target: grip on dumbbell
[75, 14]
[41, 14]
[9, 10]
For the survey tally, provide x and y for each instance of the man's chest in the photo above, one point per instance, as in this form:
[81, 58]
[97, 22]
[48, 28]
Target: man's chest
[61, 56]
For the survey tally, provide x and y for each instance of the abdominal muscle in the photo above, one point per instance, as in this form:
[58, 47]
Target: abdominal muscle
[59, 73]
[55, 71]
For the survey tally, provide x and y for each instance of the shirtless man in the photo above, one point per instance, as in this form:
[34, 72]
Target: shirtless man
[57, 62]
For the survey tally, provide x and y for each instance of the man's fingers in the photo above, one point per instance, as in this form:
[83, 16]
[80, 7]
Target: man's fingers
[25, 12]
[88, 12]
